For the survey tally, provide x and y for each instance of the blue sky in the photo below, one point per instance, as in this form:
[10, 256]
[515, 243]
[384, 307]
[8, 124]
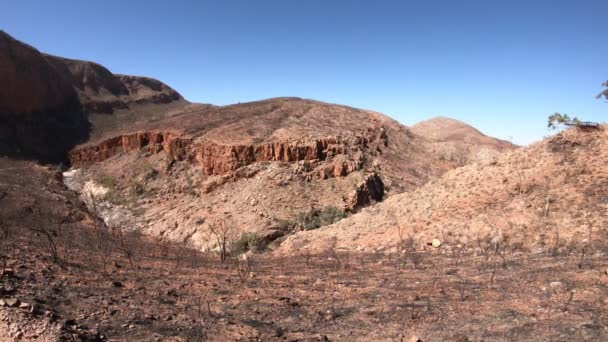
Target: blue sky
[502, 66]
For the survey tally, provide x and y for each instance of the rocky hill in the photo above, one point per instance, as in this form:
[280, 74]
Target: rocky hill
[272, 166]
[545, 196]
[49, 104]
[39, 110]
[101, 91]
[380, 232]
[172, 169]
[458, 142]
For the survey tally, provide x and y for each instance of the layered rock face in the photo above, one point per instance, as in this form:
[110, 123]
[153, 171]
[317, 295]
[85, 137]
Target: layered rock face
[40, 111]
[172, 143]
[220, 159]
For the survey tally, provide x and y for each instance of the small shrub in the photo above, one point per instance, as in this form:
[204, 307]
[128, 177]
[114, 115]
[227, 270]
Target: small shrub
[115, 197]
[317, 218]
[248, 241]
[107, 181]
[137, 188]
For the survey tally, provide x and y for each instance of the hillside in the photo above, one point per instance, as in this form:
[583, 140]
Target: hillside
[85, 282]
[458, 142]
[173, 169]
[39, 110]
[266, 165]
[49, 104]
[284, 219]
[547, 195]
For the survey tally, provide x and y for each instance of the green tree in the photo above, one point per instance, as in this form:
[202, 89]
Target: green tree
[604, 94]
[558, 120]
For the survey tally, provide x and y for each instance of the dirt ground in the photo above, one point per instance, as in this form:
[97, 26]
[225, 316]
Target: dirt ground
[65, 277]
[175, 294]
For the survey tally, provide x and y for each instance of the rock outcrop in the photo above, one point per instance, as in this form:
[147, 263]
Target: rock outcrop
[220, 159]
[371, 190]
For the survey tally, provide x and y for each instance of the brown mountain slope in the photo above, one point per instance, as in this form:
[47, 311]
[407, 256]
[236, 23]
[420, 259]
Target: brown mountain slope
[272, 166]
[109, 285]
[101, 91]
[447, 129]
[222, 139]
[40, 115]
[48, 104]
[548, 193]
[458, 142]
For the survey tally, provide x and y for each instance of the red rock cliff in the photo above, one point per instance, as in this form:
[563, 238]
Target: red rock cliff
[216, 159]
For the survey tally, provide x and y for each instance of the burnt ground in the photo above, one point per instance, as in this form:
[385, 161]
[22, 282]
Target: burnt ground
[175, 294]
[66, 277]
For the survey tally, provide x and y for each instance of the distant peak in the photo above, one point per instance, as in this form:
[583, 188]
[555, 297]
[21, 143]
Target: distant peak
[442, 128]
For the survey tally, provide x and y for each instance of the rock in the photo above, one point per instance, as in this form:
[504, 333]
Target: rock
[8, 272]
[213, 158]
[12, 302]
[436, 243]
[117, 284]
[368, 311]
[24, 305]
[414, 338]
[369, 191]
[277, 332]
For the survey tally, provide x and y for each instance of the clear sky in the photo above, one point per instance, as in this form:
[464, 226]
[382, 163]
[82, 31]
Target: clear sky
[502, 66]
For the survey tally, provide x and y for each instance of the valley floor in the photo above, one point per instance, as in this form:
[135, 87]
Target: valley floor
[175, 294]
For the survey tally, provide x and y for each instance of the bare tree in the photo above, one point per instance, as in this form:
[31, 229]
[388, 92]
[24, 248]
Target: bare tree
[223, 232]
[102, 236]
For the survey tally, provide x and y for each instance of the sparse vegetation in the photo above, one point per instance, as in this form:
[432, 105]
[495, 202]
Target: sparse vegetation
[248, 241]
[137, 188]
[223, 232]
[107, 181]
[315, 218]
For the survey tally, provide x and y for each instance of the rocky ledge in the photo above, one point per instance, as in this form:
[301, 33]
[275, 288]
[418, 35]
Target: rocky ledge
[322, 157]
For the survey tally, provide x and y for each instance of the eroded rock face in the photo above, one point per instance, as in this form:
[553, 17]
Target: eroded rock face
[371, 190]
[339, 158]
[172, 143]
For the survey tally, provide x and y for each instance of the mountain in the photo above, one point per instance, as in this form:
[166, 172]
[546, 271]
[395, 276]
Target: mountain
[40, 110]
[458, 142]
[101, 91]
[338, 223]
[49, 104]
[172, 169]
[272, 166]
[543, 196]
